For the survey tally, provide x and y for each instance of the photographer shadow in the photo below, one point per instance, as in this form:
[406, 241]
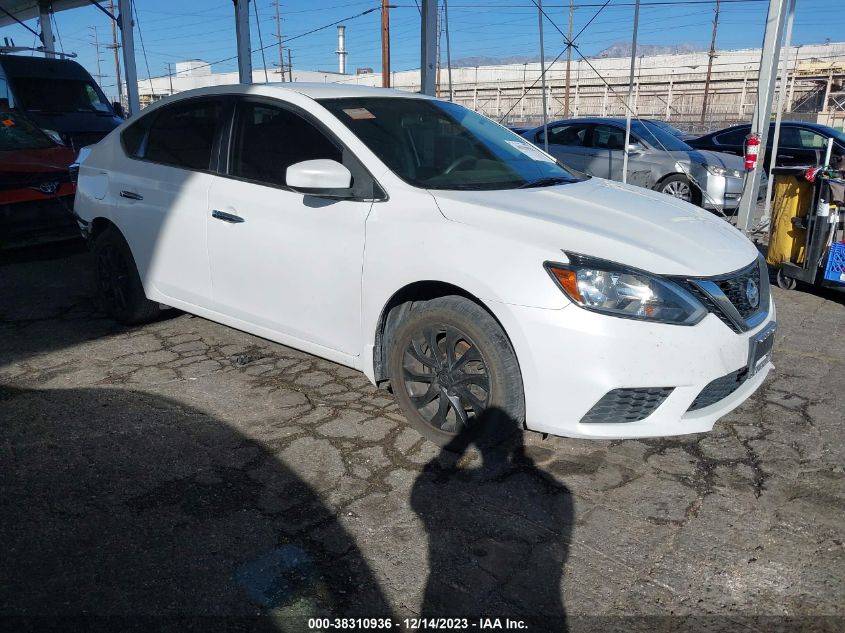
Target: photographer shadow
[498, 530]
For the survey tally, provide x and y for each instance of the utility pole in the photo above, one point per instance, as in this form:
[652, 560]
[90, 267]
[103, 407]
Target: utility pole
[710, 63]
[439, 54]
[279, 39]
[568, 44]
[448, 50]
[96, 44]
[116, 48]
[385, 44]
[170, 77]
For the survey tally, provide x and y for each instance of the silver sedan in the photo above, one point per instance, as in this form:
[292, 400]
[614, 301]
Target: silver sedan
[656, 159]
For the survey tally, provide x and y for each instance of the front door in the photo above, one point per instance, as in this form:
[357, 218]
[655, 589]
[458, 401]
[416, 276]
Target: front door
[284, 261]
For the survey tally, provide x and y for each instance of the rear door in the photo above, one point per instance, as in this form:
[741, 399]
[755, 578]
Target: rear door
[161, 195]
[567, 142]
[605, 153]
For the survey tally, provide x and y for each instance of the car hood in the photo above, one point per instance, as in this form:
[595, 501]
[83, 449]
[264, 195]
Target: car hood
[706, 157]
[50, 159]
[600, 218]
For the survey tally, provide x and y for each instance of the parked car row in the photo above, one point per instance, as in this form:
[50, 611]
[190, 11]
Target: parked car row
[799, 143]
[657, 159]
[49, 109]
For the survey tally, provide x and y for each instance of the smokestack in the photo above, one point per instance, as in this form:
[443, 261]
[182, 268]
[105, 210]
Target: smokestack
[341, 49]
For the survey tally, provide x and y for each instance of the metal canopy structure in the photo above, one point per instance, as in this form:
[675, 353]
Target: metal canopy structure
[18, 11]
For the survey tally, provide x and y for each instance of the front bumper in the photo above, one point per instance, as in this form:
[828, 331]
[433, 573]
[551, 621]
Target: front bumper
[571, 358]
[724, 192]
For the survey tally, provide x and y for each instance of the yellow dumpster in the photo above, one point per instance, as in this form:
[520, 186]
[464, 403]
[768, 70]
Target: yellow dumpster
[793, 197]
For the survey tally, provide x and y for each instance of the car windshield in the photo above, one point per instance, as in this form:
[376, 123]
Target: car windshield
[16, 133]
[668, 128]
[59, 95]
[441, 145]
[658, 138]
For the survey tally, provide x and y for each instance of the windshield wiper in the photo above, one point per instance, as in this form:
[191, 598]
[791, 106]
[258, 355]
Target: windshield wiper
[547, 181]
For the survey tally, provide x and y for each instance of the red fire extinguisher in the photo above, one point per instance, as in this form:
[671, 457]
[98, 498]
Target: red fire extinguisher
[752, 150]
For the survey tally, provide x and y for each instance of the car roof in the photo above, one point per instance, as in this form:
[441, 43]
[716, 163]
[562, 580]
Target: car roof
[308, 89]
[746, 126]
[43, 67]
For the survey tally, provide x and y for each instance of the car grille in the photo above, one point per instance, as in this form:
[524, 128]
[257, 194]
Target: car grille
[627, 405]
[726, 296]
[734, 289]
[719, 389]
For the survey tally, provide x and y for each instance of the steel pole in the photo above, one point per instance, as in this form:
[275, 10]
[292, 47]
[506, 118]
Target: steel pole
[630, 93]
[543, 77]
[127, 40]
[428, 46]
[769, 57]
[44, 11]
[781, 99]
[243, 41]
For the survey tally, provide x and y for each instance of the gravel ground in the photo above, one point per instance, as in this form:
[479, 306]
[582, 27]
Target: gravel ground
[159, 476]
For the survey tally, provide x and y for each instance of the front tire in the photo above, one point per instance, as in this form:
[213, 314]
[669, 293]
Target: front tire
[451, 365]
[118, 281]
[680, 187]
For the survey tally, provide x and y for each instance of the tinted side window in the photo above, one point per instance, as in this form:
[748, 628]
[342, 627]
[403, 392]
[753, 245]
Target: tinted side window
[608, 137]
[733, 137]
[567, 135]
[182, 134]
[269, 139]
[811, 140]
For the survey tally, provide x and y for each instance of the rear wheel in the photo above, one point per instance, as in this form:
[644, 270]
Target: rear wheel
[118, 281]
[450, 366]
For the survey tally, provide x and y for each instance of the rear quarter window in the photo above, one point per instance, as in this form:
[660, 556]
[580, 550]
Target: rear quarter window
[133, 137]
[731, 137]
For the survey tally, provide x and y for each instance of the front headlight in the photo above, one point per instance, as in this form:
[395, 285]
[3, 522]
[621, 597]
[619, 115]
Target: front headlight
[718, 170]
[613, 289]
[55, 136]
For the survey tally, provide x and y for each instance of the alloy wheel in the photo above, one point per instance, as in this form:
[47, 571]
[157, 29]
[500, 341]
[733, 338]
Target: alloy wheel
[678, 189]
[446, 378]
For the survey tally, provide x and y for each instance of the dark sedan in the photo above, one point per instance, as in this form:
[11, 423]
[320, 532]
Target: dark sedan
[799, 143]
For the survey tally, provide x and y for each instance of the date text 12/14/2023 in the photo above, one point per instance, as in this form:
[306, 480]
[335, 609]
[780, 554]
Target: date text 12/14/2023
[413, 624]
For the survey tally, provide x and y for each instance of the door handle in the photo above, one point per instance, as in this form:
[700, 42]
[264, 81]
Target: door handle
[131, 195]
[231, 218]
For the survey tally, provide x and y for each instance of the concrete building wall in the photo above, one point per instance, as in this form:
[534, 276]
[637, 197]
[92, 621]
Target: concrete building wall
[669, 87]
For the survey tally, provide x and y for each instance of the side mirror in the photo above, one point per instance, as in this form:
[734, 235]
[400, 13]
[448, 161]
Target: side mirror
[118, 109]
[319, 177]
[634, 148]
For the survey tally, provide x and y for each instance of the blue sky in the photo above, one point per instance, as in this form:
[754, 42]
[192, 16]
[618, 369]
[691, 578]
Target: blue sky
[173, 30]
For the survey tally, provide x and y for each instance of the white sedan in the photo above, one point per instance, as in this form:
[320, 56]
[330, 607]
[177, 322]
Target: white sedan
[430, 248]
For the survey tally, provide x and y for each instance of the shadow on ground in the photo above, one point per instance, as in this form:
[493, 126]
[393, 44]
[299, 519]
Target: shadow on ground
[123, 504]
[498, 529]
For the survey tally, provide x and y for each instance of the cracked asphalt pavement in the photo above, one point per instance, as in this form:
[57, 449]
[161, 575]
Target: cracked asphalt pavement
[156, 474]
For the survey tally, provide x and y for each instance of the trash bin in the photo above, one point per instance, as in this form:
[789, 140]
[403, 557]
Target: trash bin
[792, 199]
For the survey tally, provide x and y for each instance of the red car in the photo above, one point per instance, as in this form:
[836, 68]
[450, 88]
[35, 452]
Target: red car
[36, 192]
